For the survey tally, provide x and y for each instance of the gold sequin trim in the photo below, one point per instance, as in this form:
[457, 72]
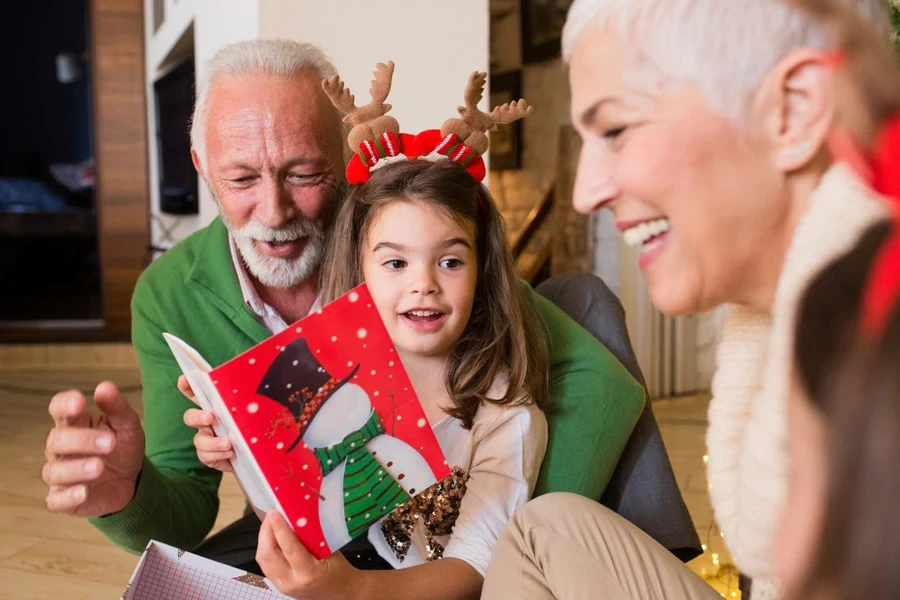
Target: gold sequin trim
[438, 507]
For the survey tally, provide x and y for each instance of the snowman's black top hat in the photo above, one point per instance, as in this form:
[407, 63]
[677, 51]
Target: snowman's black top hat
[297, 380]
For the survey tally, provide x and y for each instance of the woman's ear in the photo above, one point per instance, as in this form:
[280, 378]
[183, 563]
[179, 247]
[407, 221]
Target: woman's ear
[796, 106]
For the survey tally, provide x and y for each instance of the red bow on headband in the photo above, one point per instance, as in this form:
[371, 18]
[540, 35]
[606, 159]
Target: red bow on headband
[883, 288]
[428, 145]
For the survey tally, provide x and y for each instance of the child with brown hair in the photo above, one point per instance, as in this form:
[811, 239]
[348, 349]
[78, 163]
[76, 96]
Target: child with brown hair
[425, 236]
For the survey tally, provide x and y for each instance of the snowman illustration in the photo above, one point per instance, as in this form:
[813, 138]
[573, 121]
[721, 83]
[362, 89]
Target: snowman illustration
[365, 471]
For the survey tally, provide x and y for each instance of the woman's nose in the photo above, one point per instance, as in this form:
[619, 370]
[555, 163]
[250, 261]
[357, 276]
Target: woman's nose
[594, 185]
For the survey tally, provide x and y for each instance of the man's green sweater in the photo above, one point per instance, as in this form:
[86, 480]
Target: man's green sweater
[192, 292]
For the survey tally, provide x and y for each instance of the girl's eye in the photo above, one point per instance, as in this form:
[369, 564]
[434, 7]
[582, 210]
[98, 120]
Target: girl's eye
[394, 265]
[451, 263]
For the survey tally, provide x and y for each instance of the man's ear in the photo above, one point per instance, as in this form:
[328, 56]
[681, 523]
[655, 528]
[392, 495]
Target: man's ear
[796, 106]
[197, 163]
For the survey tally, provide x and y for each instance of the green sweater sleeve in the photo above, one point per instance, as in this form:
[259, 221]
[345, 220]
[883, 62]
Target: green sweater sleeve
[176, 501]
[596, 404]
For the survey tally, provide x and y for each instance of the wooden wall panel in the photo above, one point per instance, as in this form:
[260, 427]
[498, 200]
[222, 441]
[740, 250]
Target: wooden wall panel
[120, 138]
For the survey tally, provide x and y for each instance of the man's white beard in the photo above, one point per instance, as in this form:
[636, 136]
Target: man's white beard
[272, 271]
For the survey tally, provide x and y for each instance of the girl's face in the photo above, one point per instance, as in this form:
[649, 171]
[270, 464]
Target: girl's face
[421, 268]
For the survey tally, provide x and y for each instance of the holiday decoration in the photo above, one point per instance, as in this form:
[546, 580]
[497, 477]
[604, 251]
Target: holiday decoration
[326, 426]
[376, 139]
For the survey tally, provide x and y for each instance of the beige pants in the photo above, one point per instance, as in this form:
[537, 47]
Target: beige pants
[565, 546]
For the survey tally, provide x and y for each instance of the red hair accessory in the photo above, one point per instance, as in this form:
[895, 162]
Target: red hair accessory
[883, 287]
[376, 140]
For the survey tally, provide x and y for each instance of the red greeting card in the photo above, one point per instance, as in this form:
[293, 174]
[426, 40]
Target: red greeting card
[326, 426]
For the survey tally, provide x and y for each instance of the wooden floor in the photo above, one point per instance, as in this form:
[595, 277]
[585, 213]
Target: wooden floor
[47, 556]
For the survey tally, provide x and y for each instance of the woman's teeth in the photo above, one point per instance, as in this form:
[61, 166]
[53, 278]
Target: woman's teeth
[641, 234]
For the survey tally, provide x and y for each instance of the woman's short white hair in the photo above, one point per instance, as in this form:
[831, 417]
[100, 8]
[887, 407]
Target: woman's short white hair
[282, 58]
[725, 46]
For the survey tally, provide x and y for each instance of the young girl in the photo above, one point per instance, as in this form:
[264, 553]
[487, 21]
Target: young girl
[841, 535]
[425, 236]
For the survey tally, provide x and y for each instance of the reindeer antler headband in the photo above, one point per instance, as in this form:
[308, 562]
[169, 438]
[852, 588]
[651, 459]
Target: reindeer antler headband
[376, 140]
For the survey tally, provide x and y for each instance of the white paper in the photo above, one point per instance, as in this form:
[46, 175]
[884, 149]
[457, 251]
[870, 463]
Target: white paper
[167, 573]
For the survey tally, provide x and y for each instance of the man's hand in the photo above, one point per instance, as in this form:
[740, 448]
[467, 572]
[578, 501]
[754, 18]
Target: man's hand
[296, 572]
[92, 462]
[213, 451]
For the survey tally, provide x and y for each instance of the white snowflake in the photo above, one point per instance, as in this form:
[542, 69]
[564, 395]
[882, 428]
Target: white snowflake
[301, 522]
[306, 497]
[376, 393]
[299, 330]
[252, 361]
[353, 297]
[334, 338]
[373, 371]
[296, 362]
[391, 364]
[279, 445]
[234, 391]
[305, 467]
[361, 333]
[420, 423]
[289, 386]
[234, 409]
[349, 363]
[321, 544]
[252, 407]
[253, 440]
[399, 417]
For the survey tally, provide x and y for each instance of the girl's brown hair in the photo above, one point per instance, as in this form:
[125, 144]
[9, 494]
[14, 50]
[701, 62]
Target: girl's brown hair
[855, 383]
[503, 332]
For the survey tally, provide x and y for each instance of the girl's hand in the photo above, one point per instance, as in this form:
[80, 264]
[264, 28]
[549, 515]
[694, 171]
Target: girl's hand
[296, 572]
[212, 451]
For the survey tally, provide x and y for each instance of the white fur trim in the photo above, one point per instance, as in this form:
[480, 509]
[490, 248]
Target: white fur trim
[388, 160]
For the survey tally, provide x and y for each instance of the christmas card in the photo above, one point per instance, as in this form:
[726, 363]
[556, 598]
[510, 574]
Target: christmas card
[167, 573]
[325, 424]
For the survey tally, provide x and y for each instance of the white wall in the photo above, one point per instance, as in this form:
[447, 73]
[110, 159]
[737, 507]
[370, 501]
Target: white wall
[435, 45]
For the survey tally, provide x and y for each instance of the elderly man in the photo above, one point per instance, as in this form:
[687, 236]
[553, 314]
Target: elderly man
[268, 144]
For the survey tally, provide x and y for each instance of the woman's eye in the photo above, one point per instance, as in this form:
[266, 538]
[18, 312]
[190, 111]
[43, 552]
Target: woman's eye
[394, 265]
[611, 134]
[451, 263]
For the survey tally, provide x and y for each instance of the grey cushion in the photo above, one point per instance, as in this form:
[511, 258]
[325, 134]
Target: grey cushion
[643, 488]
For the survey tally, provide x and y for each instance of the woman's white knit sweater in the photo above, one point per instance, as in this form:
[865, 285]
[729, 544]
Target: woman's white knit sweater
[746, 438]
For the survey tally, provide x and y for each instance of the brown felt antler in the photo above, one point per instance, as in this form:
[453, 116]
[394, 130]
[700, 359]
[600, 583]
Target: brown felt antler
[474, 123]
[369, 121]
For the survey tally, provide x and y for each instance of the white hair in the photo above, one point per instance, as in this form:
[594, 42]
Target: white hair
[725, 46]
[281, 58]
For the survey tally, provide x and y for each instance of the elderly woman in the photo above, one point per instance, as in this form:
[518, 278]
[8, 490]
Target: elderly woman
[706, 128]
